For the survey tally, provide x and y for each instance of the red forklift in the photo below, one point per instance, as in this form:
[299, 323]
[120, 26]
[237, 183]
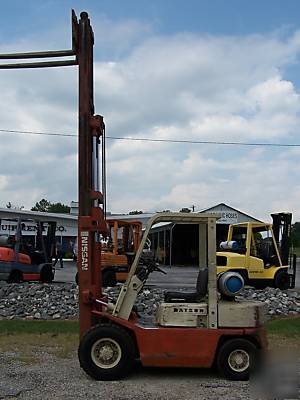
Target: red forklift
[195, 329]
[22, 260]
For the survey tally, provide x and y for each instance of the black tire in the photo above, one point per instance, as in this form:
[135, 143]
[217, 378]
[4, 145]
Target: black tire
[15, 277]
[46, 274]
[236, 359]
[109, 278]
[262, 285]
[119, 347]
[281, 280]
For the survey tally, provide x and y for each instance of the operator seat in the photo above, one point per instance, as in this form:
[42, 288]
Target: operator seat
[201, 290]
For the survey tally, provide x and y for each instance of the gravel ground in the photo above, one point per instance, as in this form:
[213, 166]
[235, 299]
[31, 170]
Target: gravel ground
[60, 301]
[57, 378]
[63, 379]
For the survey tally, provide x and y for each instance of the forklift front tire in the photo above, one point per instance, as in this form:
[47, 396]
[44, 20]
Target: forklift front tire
[236, 358]
[106, 352]
[15, 277]
[282, 280]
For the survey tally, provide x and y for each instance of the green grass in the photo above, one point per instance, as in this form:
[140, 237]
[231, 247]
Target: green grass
[28, 341]
[287, 327]
[15, 327]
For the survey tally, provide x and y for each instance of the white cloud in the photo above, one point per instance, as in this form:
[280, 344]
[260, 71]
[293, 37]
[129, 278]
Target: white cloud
[184, 86]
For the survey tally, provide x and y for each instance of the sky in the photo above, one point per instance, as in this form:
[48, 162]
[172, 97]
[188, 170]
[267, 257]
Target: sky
[210, 70]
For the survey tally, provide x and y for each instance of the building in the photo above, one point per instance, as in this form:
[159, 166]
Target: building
[172, 244]
[179, 244]
[143, 218]
[229, 215]
[66, 225]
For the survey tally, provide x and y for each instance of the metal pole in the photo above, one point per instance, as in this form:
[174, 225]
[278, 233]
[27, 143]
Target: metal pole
[38, 54]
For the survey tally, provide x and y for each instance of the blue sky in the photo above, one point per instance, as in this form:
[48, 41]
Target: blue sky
[201, 70]
[215, 16]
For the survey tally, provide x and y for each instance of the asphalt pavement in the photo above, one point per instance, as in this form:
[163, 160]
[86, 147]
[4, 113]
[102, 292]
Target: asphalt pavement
[175, 277]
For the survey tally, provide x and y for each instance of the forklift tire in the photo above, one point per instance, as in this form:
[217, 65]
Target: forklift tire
[282, 280]
[108, 278]
[46, 274]
[236, 359]
[106, 352]
[15, 277]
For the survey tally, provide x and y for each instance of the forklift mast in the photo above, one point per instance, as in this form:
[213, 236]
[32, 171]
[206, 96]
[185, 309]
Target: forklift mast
[46, 244]
[282, 224]
[92, 209]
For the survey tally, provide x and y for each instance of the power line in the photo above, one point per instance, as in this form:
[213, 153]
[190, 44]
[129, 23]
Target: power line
[138, 139]
[37, 133]
[207, 142]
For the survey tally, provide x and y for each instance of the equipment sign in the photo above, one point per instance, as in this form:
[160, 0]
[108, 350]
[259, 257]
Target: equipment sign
[84, 250]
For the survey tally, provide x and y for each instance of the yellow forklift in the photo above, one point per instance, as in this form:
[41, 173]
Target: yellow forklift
[260, 253]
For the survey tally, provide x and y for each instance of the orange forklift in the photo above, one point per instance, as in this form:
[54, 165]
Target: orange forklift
[24, 261]
[118, 250]
[191, 329]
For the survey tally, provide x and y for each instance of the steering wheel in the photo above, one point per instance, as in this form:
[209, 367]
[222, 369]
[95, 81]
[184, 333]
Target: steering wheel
[156, 268]
[153, 266]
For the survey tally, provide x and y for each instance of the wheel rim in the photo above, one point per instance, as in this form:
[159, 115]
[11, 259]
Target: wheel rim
[239, 360]
[106, 353]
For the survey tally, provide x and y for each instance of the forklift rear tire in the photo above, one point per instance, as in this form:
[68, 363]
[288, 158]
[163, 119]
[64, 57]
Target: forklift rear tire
[106, 352]
[236, 359]
[281, 280]
[15, 277]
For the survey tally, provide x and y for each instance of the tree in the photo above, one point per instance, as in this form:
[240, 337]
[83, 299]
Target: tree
[59, 208]
[46, 206]
[135, 212]
[42, 206]
[295, 236]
